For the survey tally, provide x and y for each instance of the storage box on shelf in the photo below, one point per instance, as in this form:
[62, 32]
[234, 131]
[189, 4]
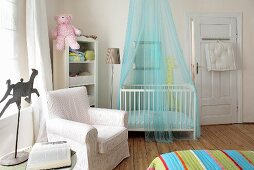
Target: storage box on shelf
[73, 68]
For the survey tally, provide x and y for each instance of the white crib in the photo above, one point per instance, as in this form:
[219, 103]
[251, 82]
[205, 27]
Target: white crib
[177, 100]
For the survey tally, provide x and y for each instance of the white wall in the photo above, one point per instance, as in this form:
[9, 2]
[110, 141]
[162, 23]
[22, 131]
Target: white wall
[108, 20]
[8, 131]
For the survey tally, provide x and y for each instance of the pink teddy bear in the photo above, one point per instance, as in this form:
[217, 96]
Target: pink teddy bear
[65, 33]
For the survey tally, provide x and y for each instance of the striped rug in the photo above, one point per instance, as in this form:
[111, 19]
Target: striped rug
[204, 160]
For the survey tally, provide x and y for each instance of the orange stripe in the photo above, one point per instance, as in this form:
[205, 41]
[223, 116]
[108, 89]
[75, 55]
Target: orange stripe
[246, 157]
[182, 161]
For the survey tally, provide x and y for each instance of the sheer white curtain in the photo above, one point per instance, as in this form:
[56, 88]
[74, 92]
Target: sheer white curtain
[39, 58]
[13, 65]
[9, 58]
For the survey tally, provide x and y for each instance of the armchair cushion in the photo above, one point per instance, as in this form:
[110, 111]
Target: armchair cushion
[109, 137]
[71, 104]
[75, 131]
[108, 117]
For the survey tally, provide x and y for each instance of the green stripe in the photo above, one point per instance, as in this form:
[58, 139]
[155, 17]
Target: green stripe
[223, 159]
[157, 164]
[249, 155]
[190, 160]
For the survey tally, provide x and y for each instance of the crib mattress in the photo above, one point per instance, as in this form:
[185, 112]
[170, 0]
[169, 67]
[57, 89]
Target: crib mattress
[173, 120]
[204, 159]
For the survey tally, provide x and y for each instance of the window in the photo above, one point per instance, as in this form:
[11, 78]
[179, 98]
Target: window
[8, 58]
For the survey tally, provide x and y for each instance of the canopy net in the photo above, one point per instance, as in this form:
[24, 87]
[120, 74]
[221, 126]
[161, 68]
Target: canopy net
[153, 59]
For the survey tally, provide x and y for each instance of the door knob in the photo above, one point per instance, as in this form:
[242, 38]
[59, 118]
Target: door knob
[197, 68]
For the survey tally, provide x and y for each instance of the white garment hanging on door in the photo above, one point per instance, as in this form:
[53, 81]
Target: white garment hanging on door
[220, 56]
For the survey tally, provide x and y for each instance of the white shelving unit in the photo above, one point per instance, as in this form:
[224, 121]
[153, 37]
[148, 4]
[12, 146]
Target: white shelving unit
[62, 68]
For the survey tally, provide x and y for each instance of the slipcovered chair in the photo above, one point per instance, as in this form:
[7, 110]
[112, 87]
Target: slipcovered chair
[98, 136]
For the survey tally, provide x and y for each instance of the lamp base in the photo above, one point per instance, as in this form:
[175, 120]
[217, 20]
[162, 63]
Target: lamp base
[9, 159]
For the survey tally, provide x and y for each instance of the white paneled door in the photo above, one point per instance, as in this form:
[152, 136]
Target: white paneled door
[217, 90]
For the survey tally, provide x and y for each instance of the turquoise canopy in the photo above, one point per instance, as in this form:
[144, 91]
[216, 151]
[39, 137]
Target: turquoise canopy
[153, 57]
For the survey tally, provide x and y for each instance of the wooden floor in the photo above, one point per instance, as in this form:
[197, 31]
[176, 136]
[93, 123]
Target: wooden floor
[236, 136]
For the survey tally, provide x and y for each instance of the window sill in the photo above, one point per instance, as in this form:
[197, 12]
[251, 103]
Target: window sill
[13, 112]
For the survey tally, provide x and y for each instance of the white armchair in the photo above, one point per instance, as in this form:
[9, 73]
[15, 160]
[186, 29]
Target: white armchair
[98, 136]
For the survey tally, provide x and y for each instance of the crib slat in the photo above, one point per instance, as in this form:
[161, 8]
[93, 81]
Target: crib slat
[125, 104]
[120, 99]
[190, 110]
[180, 108]
[168, 107]
[194, 116]
[149, 112]
[139, 108]
[171, 100]
[168, 100]
[148, 100]
[185, 109]
[134, 109]
[164, 99]
[130, 110]
[153, 102]
[176, 110]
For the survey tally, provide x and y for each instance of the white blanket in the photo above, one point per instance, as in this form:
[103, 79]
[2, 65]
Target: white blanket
[220, 56]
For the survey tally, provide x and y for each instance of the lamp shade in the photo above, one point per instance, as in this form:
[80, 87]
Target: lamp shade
[113, 56]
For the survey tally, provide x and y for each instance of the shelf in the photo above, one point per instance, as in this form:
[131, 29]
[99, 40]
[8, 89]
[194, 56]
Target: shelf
[91, 100]
[81, 80]
[83, 39]
[82, 62]
[63, 69]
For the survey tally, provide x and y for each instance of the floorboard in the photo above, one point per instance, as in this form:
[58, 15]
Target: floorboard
[236, 136]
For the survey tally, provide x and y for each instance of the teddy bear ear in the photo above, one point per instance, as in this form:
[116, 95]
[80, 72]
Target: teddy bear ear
[56, 17]
[69, 17]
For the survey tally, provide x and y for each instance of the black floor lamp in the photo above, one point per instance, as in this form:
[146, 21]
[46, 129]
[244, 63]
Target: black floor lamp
[113, 57]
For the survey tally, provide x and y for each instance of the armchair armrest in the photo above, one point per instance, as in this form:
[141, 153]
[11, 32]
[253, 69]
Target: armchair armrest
[75, 131]
[108, 117]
